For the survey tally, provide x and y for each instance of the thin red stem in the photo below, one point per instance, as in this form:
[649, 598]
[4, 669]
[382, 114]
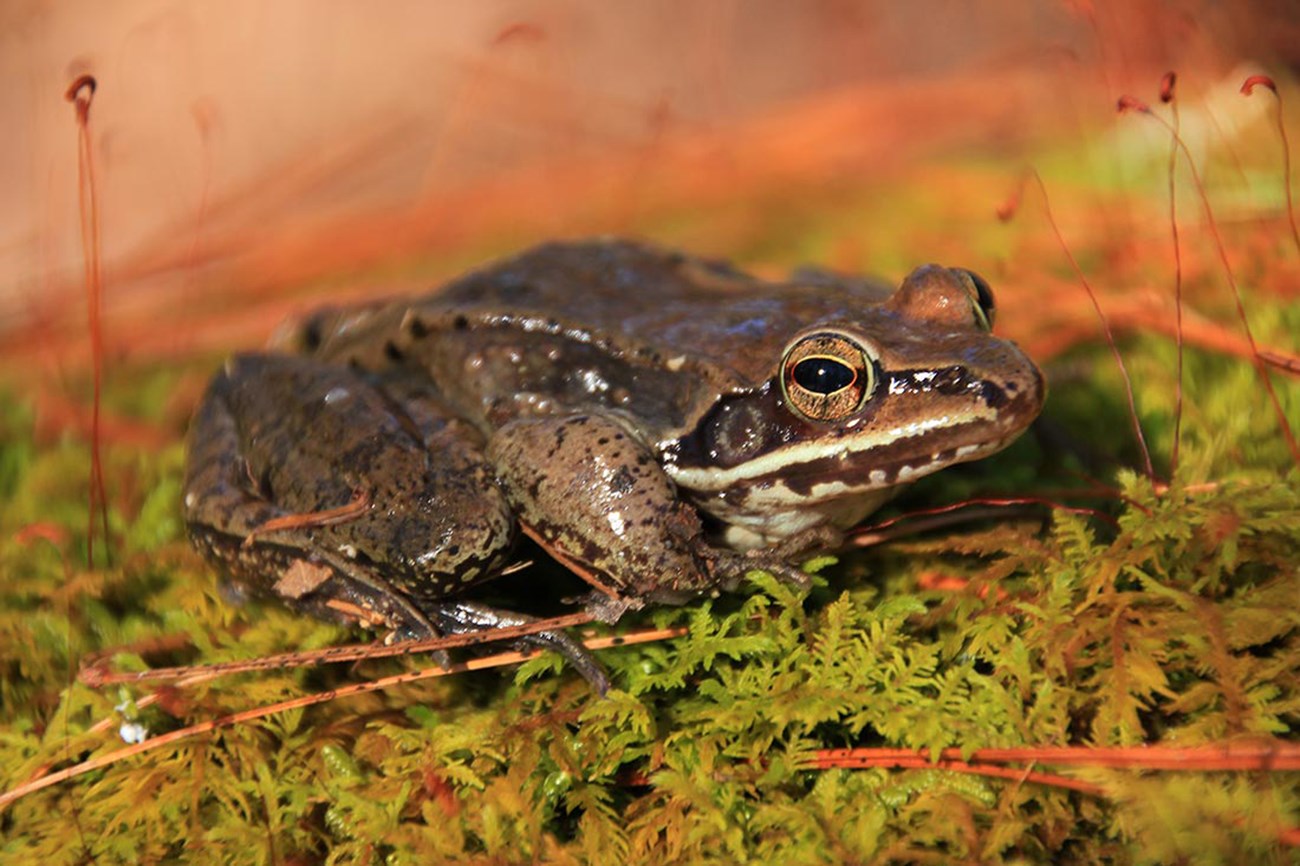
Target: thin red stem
[100, 761]
[1248, 87]
[97, 677]
[920, 762]
[1178, 278]
[1130, 104]
[983, 500]
[1267, 755]
[80, 94]
[1105, 324]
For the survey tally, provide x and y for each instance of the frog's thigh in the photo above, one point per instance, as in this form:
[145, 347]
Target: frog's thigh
[216, 476]
[596, 494]
[376, 565]
[222, 507]
[449, 525]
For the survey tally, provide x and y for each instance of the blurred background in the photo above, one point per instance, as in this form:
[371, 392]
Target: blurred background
[251, 156]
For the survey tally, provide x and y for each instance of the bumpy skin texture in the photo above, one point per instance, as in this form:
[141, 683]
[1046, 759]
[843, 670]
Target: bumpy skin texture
[591, 489]
[436, 522]
[689, 351]
[630, 405]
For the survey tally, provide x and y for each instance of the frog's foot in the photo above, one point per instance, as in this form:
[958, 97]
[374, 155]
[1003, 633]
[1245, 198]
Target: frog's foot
[607, 608]
[463, 617]
[729, 567]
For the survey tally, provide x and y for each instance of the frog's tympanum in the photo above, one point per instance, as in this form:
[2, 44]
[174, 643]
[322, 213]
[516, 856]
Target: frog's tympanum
[663, 423]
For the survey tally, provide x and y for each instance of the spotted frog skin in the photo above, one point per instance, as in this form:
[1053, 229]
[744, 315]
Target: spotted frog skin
[661, 422]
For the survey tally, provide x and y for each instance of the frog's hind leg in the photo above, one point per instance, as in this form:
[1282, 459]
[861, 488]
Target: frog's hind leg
[225, 513]
[467, 617]
[280, 448]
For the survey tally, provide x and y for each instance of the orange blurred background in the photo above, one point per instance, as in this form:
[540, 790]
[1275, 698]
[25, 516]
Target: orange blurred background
[245, 150]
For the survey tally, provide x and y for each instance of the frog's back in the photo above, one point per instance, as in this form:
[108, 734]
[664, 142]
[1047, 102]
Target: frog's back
[656, 334]
[628, 294]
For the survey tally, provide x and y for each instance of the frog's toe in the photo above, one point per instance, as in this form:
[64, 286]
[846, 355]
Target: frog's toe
[607, 608]
[730, 567]
[577, 655]
[790, 574]
[779, 567]
[463, 617]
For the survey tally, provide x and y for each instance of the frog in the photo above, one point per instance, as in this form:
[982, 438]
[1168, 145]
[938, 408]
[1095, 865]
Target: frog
[659, 422]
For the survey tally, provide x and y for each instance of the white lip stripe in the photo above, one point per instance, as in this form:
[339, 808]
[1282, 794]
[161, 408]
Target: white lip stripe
[805, 452]
[780, 493]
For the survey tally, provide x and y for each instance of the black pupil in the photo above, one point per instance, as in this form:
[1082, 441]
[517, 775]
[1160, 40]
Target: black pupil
[823, 375]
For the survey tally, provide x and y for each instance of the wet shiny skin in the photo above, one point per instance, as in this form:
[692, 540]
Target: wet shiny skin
[661, 421]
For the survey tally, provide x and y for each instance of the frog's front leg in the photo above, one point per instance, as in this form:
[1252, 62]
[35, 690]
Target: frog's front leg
[593, 493]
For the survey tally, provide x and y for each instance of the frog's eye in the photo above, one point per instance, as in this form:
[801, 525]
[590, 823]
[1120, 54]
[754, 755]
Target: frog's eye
[827, 376]
[981, 299]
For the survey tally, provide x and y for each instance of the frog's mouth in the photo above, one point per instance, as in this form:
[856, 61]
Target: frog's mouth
[761, 506]
[823, 472]
[858, 460]
[834, 477]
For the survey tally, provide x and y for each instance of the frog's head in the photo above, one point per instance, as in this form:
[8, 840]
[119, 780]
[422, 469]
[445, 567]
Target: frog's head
[860, 405]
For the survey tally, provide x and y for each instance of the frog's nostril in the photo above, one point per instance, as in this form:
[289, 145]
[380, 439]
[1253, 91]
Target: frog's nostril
[986, 306]
[311, 335]
[994, 396]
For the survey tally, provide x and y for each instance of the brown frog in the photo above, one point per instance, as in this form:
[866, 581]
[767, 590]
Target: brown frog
[662, 422]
